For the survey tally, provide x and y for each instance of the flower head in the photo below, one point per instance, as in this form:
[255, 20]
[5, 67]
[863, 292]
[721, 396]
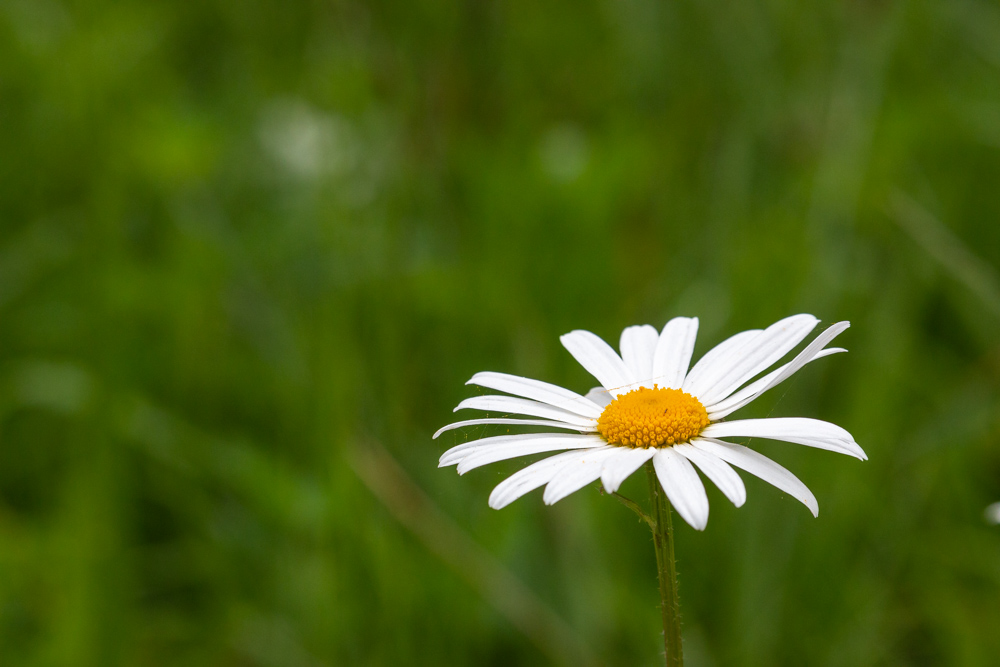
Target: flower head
[651, 406]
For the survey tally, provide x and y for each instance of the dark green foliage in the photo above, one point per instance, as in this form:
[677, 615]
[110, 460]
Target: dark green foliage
[243, 242]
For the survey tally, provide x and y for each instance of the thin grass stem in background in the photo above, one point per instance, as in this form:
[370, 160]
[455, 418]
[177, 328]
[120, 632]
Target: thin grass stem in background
[943, 245]
[504, 591]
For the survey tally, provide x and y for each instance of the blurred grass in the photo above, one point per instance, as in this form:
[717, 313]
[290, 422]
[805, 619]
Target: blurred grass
[238, 238]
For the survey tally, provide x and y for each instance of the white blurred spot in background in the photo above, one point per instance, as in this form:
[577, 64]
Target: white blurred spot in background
[993, 514]
[352, 159]
[62, 387]
[308, 143]
[38, 24]
[564, 153]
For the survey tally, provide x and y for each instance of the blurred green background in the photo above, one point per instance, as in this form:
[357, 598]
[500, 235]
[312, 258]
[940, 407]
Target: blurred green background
[251, 251]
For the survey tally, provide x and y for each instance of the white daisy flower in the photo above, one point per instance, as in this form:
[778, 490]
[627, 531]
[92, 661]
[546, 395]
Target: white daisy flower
[651, 406]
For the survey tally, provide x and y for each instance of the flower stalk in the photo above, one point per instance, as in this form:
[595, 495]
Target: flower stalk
[663, 540]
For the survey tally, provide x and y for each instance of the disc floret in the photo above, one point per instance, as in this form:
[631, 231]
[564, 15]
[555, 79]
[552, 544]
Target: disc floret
[654, 417]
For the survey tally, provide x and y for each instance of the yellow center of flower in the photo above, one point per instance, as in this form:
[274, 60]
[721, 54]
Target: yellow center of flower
[652, 418]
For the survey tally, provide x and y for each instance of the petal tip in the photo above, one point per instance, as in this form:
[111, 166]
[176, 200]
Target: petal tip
[550, 498]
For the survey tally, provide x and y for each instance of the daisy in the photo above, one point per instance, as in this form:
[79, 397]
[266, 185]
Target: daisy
[653, 407]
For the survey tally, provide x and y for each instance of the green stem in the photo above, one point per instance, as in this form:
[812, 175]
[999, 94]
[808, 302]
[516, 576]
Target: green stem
[663, 540]
[634, 506]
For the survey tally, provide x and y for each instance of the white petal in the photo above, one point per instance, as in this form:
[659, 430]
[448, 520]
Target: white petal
[813, 350]
[543, 443]
[673, 352]
[756, 356]
[536, 389]
[638, 344]
[760, 466]
[749, 393]
[515, 422]
[528, 479]
[460, 451]
[799, 430]
[576, 474]
[718, 471]
[599, 359]
[683, 487]
[617, 468]
[522, 406]
[600, 396]
[718, 357]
